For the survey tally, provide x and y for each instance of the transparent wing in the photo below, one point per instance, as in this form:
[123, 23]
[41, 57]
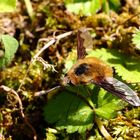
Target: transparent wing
[121, 90]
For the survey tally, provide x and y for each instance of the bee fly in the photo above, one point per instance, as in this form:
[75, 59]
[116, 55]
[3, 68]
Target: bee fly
[92, 70]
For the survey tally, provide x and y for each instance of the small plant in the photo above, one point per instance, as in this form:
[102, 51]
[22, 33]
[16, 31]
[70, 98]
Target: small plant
[89, 7]
[75, 108]
[136, 39]
[7, 5]
[9, 46]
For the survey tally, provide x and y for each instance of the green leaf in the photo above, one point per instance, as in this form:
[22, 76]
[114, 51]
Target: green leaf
[108, 105]
[136, 39]
[128, 67]
[10, 46]
[110, 4]
[84, 7]
[7, 5]
[89, 7]
[105, 6]
[73, 108]
[68, 111]
[78, 8]
[95, 6]
[115, 4]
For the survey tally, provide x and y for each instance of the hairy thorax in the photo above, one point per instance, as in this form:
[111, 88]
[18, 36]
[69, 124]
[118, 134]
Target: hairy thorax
[87, 69]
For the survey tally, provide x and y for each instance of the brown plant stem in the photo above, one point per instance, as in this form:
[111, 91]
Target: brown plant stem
[9, 90]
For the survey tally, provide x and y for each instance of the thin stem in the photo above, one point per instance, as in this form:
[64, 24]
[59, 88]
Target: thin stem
[52, 41]
[29, 8]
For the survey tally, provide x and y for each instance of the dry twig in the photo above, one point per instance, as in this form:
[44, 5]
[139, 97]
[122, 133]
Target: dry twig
[52, 41]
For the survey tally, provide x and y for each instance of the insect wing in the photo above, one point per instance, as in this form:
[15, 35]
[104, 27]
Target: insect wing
[121, 90]
[81, 52]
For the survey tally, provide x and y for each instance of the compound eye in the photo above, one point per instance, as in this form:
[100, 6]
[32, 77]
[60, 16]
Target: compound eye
[81, 69]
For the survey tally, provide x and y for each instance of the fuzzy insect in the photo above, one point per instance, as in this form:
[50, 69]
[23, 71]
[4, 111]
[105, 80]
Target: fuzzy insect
[92, 70]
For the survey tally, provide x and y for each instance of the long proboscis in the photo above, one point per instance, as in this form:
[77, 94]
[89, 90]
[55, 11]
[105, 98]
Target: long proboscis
[43, 92]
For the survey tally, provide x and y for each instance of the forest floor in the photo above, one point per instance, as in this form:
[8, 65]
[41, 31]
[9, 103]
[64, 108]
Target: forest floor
[22, 115]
